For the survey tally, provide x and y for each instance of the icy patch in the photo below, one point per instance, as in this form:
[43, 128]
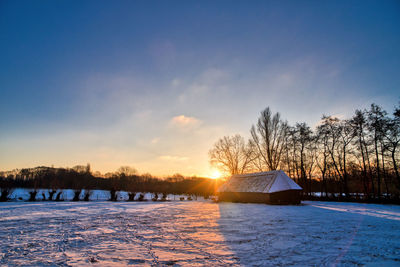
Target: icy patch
[366, 209]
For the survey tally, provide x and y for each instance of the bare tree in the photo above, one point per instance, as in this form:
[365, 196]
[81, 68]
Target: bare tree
[294, 150]
[359, 124]
[268, 138]
[356, 155]
[376, 125]
[303, 136]
[340, 137]
[287, 153]
[6, 194]
[82, 168]
[126, 171]
[346, 136]
[392, 140]
[231, 155]
[311, 158]
[322, 156]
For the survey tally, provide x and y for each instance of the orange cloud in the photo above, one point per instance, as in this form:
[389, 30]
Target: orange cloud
[184, 121]
[155, 140]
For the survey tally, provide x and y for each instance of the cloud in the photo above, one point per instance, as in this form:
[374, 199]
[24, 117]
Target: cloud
[155, 140]
[173, 158]
[205, 85]
[176, 82]
[183, 121]
[213, 75]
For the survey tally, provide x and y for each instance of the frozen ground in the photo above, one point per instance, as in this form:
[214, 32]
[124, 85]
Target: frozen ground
[198, 233]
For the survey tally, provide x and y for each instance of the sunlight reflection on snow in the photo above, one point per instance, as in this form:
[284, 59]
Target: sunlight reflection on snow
[363, 211]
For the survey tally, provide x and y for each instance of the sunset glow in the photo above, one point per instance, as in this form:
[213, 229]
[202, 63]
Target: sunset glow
[199, 133]
[154, 87]
[216, 174]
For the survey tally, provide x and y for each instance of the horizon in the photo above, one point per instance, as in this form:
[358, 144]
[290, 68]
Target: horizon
[154, 86]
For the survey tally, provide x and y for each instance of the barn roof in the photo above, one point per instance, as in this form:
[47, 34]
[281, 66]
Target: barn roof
[261, 182]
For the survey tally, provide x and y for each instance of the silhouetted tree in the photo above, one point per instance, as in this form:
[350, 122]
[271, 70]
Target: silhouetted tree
[127, 171]
[5, 194]
[87, 194]
[51, 194]
[391, 140]
[376, 125]
[58, 196]
[32, 195]
[77, 194]
[231, 155]
[268, 138]
[113, 194]
[131, 196]
[141, 197]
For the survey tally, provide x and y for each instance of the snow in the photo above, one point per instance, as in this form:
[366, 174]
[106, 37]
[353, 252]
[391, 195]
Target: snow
[198, 233]
[261, 182]
[21, 194]
[283, 182]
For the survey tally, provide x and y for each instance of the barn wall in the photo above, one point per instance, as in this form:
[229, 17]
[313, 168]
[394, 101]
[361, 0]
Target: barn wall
[243, 197]
[283, 197]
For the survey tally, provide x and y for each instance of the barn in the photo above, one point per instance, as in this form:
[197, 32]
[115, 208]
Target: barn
[273, 187]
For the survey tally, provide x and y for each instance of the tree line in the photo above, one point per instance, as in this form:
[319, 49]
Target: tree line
[80, 178]
[353, 157]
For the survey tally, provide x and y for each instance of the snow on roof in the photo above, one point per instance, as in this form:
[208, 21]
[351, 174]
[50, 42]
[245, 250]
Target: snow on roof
[261, 182]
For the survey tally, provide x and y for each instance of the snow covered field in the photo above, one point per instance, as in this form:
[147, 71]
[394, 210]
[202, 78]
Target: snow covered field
[198, 233]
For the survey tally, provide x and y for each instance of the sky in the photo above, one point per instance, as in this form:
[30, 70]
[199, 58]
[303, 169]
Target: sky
[154, 84]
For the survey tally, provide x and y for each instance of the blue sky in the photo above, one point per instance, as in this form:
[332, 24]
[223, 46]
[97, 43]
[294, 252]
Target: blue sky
[153, 84]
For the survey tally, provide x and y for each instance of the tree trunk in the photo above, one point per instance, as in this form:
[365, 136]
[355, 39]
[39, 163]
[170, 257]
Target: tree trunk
[378, 172]
[346, 190]
[324, 188]
[364, 170]
[369, 168]
[396, 171]
[384, 171]
[303, 172]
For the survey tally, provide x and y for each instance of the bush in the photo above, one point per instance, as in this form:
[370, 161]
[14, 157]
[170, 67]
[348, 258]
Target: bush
[32, 195]
[113, 195]
[51, 194]
[77, 194]
[141, 197]
[5, 194]
[87, 194]
[131, 196]
[58, 196]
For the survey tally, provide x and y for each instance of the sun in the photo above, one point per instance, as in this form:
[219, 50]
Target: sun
[215, 174]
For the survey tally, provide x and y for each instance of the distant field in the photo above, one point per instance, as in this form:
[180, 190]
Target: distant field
[198, 233]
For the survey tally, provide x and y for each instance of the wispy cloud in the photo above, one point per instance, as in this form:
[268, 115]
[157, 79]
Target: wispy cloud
[185, 122]
[155, 140]
[176, 82]
[207, 83]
